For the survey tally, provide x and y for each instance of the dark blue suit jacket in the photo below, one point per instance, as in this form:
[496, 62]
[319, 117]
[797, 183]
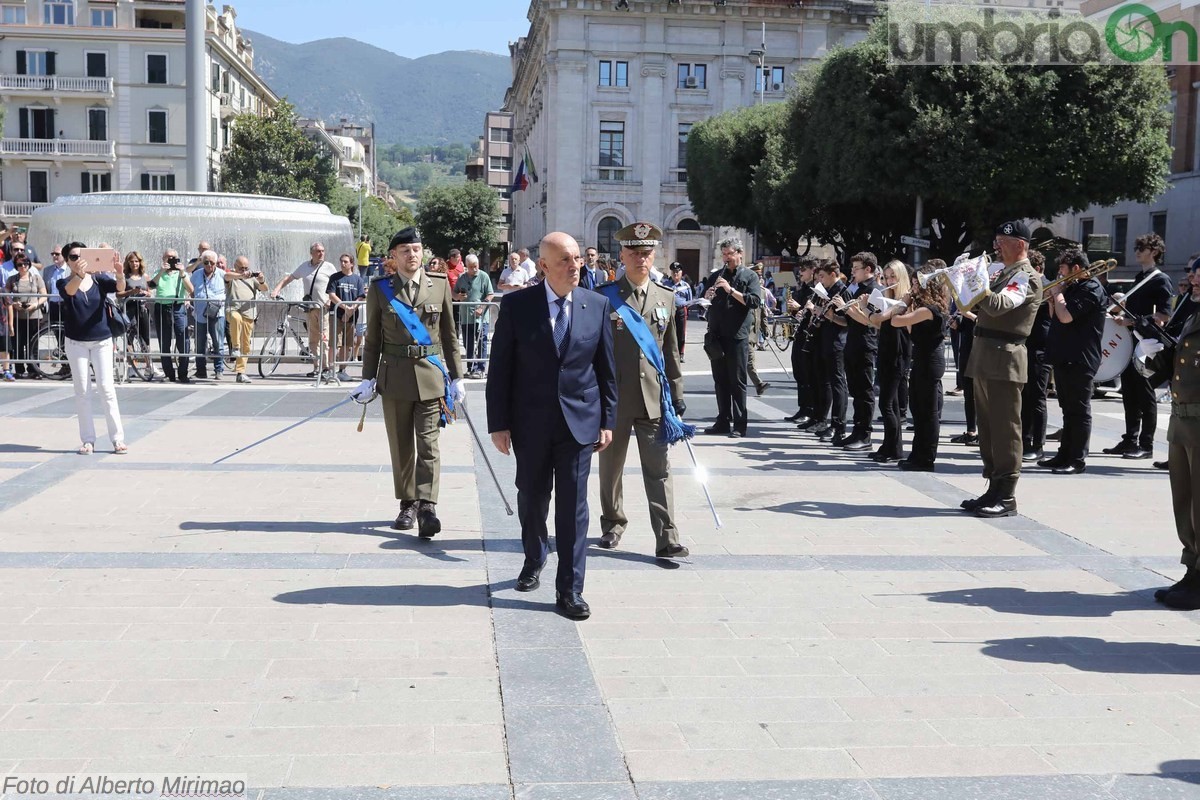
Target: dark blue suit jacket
[527, 379]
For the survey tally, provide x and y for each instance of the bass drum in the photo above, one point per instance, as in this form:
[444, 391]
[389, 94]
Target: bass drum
[1116, 350]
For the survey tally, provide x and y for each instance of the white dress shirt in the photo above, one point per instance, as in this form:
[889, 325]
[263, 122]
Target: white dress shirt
[552, 300]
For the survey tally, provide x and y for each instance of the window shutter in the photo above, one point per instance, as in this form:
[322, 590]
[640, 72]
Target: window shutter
[169, 183]
[106, 182]
[85, 182]
[21, 63]
[50, 63]
[145, 182]
[24, 124]
[51, 132]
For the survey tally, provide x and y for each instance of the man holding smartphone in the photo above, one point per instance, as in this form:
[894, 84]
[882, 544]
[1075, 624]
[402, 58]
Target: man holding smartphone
[172, 288]
[242, 285]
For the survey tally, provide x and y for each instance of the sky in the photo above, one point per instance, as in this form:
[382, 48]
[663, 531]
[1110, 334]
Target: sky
[411, 28]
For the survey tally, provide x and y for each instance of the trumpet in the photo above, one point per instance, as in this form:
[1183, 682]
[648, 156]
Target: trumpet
[1096, 269]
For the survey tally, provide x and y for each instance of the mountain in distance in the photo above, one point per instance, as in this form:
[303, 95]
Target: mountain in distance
[435, 99]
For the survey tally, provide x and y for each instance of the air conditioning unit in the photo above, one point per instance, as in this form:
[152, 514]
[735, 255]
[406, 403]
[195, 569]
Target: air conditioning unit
[691, 82]
[775, 87]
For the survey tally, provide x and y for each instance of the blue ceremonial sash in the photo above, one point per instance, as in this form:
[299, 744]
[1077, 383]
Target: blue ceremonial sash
[673, 429]
[416, 329]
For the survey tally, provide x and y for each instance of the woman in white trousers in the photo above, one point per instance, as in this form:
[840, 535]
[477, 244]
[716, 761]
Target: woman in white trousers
[89, 343]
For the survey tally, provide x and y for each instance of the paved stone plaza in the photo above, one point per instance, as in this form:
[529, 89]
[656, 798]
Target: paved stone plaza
[848, 634]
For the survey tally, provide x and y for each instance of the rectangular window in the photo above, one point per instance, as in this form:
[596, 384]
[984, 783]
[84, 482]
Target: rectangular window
[773, 77]
[104, 18]
[95, 182]
[692, 76]
[96, 65]
[39, 186]
[1120, 235]
[612, 151]
[36, 123]
[685, 128]
[501, 135]
[156, 123]
[35, 62]
[13, 15]
[1086, 228]
[97, 119]
[225, 136]
[212, 133]
[158, 182]
[156, 68]
[500, 163]
[58, 12]
[216, 77]
[614, 73]
[1158, 223]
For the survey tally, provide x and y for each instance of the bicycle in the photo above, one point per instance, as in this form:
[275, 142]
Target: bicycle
[50, 350]
[275, 348]
[783, 329]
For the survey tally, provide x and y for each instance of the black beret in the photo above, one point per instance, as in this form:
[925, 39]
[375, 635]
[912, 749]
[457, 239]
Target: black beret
[407, 236]
[1016, 229]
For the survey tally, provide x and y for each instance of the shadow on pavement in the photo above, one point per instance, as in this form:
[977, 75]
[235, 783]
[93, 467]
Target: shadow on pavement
[595, 551]
[1186, 770]
[29, 448]
[1012, 600]
[416, 596]
[1099, 655]
[827, 509]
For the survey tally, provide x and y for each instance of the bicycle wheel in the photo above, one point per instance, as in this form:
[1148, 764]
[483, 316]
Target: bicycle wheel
[230, 358]
[135, 356]
[50, 352]
[781, 335]
[273, 351]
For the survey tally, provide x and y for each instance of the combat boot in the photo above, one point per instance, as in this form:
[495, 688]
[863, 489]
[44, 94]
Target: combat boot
[428, 525]
[408, 514]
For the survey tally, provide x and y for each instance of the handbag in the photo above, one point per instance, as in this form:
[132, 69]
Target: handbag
[118, 322]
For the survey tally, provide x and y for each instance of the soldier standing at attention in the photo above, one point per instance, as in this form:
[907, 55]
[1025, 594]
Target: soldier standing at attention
[999, 368]
[640, 393]
[412, 354]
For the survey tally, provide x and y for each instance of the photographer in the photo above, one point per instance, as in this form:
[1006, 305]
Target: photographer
[242, 286]
[89, 342]
[26, 311]
[172, 288]
[209, 295]
[137, 285]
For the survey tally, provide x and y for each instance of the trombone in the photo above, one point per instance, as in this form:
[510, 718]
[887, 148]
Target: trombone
[1095, 270]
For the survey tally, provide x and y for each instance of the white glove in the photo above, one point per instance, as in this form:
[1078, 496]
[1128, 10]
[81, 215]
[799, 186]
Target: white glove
[1148, 347]
[364, 392]
[458, 391]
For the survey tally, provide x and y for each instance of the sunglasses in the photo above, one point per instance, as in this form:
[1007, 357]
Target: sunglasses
[74, 257]
[210, 262]
[58, 255]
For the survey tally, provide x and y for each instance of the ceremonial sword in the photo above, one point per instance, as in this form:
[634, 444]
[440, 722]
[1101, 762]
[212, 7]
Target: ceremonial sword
[309, 418]
[702, 476]
[483, 452]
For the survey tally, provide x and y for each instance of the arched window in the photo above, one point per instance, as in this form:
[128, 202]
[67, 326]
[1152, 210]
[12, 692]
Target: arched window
[606, 236]
[688, 224]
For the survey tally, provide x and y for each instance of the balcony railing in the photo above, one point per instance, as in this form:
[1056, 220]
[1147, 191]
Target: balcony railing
[54, 84]
[10, 210]
[57, 148]
[617, 174]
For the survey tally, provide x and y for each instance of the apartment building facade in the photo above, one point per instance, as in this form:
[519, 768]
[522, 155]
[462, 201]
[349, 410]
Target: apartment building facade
[95, 97]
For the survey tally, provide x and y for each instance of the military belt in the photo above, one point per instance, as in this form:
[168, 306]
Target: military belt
[1186, 410]
[414, 351]
[1004, 336]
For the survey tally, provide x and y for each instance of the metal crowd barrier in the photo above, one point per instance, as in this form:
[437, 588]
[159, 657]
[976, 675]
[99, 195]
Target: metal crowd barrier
[279, 343]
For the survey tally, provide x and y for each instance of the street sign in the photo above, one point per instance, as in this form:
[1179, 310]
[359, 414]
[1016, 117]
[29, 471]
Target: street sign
[914, 241]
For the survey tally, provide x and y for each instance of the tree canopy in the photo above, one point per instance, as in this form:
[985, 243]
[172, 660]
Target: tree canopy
[270, 155]
[459, 216]
[860, 139]
[379, 221]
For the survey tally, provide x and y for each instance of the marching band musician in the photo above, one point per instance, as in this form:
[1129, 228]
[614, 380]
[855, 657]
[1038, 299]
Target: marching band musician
[1077, 312]
[829, 355]
[999, 369]
[1182, 364]
[797, 300]
[1141, 406]
[895, 355]
[734, 294]
[925, 314]
[862, 346]
[1033, 397]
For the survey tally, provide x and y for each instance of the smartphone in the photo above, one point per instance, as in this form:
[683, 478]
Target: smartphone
[99, 259]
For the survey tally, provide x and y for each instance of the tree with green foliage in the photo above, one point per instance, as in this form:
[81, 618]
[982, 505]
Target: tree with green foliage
[270, 155]
[379, 221]
[459, 216]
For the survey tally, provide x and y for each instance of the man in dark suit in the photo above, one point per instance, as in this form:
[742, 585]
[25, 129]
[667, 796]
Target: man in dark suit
[552, 400]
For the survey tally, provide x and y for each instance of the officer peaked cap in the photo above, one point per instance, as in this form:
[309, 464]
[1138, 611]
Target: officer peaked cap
[407, 236]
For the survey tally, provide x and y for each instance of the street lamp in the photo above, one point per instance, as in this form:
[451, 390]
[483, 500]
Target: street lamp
[760, 53]
[358, 191]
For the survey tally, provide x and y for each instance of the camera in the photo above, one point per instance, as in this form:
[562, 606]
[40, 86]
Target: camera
[173, 261]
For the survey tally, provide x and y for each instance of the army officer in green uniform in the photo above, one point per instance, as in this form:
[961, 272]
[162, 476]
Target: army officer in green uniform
[1181, 364]
[411, 385]
[998, 366]
[639, 396]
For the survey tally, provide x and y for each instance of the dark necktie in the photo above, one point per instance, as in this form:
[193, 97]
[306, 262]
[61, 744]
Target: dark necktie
[560, 325]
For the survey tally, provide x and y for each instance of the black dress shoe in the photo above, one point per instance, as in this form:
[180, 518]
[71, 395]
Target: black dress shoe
[572, 605]
[1054, 437]
[529, 579]
[1138, 452]
[1162, 465]
[1054, 462]
[610, 540]
[861, 444]
[908, 465]
[1031, 455]
[965, 438]
[825, 435]
[1070, 469]
[1003, 507]
[762, 387]
[1185, 598]
[736, 434]
[810, 423]
[972, 503]
[1191, 577]
[884, 458]
[797, 417]
[407, 517]
[716, 430]
[1119, 449]
[428, 525]
[672, 551]
[185, 379]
